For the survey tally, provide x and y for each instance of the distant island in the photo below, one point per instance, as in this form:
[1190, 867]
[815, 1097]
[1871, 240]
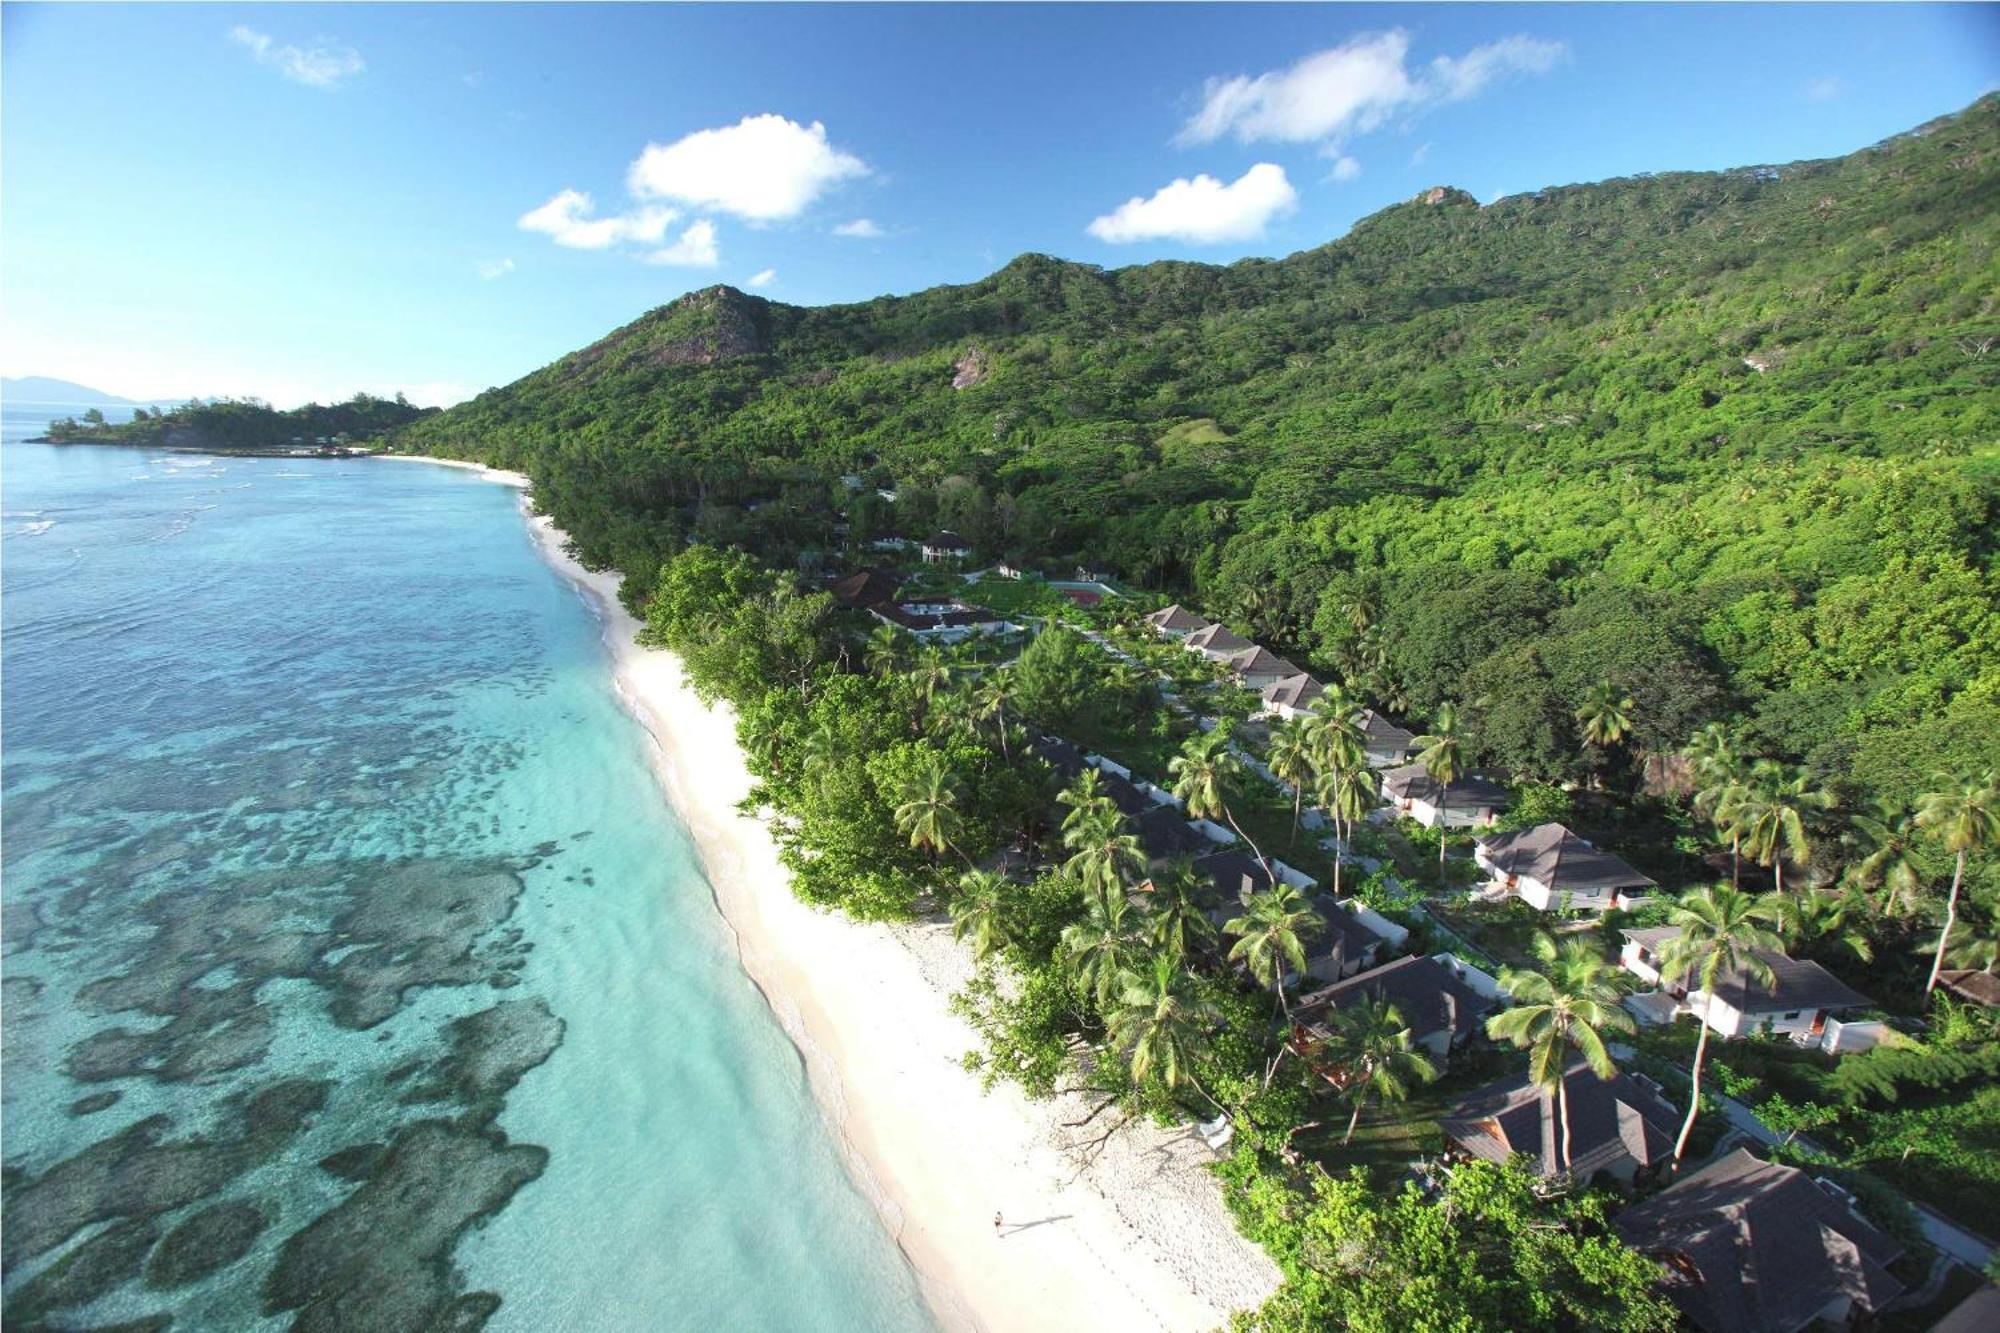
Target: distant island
[63, 393]
[234, 425]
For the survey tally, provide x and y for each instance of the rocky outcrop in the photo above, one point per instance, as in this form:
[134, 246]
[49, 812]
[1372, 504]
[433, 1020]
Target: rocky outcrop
[970, 368]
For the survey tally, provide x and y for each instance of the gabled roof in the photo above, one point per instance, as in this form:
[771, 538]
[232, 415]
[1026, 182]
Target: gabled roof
[1795, 983]
[1218, 639]
[1258, 661]
[1559, 859]
[944, 539]
[1128, 798]
[1342, 938]
[1058, 754]
[1610, 1122]
[1380, 732]
[1177, 619]
[1424, 990]
[1293, 691]
[1753, 1245]
[1232, 875]
[865, 587]
[958, 615]
[1978, 987]
[1164, 832]
[1470, 792]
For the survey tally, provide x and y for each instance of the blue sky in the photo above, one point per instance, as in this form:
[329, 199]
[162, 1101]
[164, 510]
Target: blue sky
[300, 201]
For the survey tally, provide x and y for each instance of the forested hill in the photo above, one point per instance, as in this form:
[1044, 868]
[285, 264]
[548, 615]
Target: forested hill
[1729, 436]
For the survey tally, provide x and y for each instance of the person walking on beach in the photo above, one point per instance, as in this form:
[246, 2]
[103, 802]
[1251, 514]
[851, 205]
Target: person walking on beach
[996, 1222]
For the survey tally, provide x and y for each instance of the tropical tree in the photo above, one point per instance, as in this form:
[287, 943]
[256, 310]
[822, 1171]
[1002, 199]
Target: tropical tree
[1887, 836]
[1086, 798]
[1290, 760]
[989, 703]
[977, 911]
[1816, 921]
[930, 674]
[1442, 753]
[1772, 808]
[1720, 774]
[1371, 1053]
[928, 806]
[1103, 853]
[1179, 923]
[1271, 933]
[1606, 717]
[1160, 1022]
[1104, 945]
[1565, 1006]
[1334, 723]
[1721, 931]
[1348, 792]
[1964, 817]
[883, 653]
[1203, 773]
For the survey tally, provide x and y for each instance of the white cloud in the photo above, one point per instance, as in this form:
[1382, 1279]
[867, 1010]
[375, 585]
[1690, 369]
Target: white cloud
[694, 249]
[1202, 210]
[1345, 168]
[762, 278]
[1354, 88]
[498, 268]
[322, 65]
[861, 228]
[1423, 151]
[1824, 90]
[567, 219]
[763, 168]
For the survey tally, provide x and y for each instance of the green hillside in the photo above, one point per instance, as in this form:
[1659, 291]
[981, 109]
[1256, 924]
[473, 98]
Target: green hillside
[1728, 438]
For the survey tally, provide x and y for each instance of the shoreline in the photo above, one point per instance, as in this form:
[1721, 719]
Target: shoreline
[1136, 1239]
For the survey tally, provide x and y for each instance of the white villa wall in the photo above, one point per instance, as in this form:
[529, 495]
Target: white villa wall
[1098, 761]
[1376, 922]
[1859, 1035]
[1474, 979]
[1213, 831]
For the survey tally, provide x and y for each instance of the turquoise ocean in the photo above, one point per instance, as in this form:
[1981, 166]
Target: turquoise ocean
[356, 974]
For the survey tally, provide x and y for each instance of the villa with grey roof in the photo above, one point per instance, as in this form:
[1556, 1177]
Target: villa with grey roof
[1552, 869]
[1621, 1126]
[1803, 1001]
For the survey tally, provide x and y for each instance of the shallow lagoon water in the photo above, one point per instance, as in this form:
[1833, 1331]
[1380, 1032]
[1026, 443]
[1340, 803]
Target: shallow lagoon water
[356, 974]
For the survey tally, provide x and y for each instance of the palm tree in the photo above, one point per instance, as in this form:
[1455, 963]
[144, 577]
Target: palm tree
[1370, 1044]
[1290, 759]
[990, 700]
[1817, 918]
[928, 812]
[1335, 725]
[1103, 945]
[1442, 753]
[883, 653]
[930, 674]
[1271, 933]
[1348, 792]
[976, 911]
[1179, 924]
[1203, 773]
[1103, 852]
[1721, 930]
[1567, 1005]
[1888, 837]
[1719, 777]
[1086, 798]
[1772, 808]
[1160, 1022]
[1606, 716]
[1965, 819]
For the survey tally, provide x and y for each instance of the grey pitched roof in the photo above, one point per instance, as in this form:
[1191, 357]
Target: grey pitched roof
[1754, 1246]
[1341, 941]
[946, 540]
[1178, 619]
[1558, 858]
[1260, 661]
[1163, 832]
[1058, 754]
[1795, 983]
[1293, 691]
[1424, 990]
[1978, 987]
[1470, 792]
[1380, 732]
[865, 587]
[1230, 876]
[1219, 639]
[1128, 798]
[1610, 1122]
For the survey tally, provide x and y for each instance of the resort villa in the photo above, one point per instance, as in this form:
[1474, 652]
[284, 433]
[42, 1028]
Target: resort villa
[1442, 1000]
[1385, 743]
[1290, 697]
[945, 546]
[1176, 622]
[1257, 667]
[1552, 869]
[1755, 1247]
[1470, 802]
[1620, 1125]
[1344, 946]
[1802, 1000]
[1216, 643]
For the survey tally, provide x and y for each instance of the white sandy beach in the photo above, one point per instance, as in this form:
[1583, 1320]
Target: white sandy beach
[1139, 1239]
